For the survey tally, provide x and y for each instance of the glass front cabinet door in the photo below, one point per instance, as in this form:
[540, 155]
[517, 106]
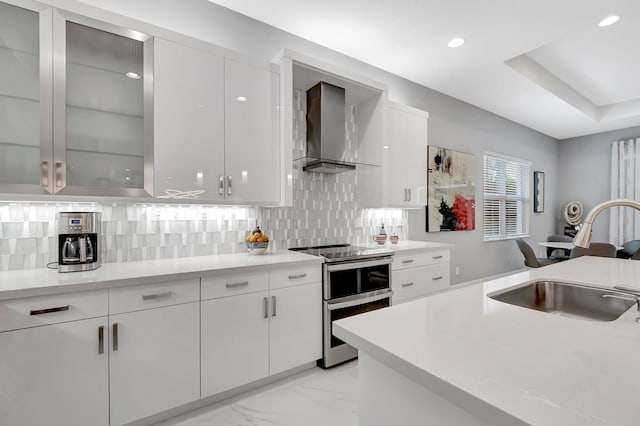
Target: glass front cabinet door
[25, 97]
[76, 104]
[102, 108]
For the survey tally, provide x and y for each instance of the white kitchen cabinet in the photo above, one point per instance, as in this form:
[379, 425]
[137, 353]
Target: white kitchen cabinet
[216, 127]
[295, 328]
[58, 373]
[250, 332]
[405, 162]
[420, 273]
[235, 341]
[252, 154]
[189, 121]
[155, 354]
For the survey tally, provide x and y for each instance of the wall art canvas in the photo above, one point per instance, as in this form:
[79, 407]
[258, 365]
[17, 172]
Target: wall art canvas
[451, 204]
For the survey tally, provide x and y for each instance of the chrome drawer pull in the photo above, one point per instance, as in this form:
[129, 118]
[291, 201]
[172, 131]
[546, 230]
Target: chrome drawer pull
[115, 336]
[236, 285]
[44, 170]
[273, 306]
[265, 305]
[49, 310]
[439, 277]
[407, 284]
[221, 184]
[101, 340]
[408, 261]
[437, 257]
[293, 277]
[156, 296]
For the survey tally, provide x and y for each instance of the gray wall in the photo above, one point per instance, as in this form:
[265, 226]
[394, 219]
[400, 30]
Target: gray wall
[453, 124]
[584, 173]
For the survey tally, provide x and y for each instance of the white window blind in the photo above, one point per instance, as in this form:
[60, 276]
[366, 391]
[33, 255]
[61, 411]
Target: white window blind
[506, 197]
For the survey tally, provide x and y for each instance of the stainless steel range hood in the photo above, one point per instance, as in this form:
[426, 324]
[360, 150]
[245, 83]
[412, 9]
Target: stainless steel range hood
[326, 144]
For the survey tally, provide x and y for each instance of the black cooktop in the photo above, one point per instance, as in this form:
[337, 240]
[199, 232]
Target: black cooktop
[344, 252]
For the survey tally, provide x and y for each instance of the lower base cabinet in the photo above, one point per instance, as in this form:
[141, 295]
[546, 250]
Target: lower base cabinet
[155, 365]
[296, 328]
[248, 337]
[55, 375]
[235, 341]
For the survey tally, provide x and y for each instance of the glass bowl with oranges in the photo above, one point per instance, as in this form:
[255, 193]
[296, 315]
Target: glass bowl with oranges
[257, 242]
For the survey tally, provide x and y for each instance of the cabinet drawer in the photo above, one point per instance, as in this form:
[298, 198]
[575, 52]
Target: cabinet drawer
[228, 285]
[412, 260]
[295, 276]
[136, 298]
[416, 282]
[42, 310]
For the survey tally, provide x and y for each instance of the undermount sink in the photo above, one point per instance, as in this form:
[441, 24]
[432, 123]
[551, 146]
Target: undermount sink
[566, 299]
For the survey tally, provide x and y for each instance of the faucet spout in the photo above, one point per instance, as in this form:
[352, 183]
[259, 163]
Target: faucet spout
[583, 237]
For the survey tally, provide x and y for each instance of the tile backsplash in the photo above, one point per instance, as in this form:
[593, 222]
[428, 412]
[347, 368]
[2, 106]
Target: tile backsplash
[324, 211]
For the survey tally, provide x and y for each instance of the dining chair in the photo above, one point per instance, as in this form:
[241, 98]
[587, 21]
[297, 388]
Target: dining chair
[530, 258]
[595, 249]
[562, 254]
[629, 249]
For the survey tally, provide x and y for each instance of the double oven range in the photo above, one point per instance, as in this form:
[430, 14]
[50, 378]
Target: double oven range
[354, 280]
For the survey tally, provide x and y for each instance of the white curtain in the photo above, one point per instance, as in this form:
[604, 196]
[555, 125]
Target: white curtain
[624, 222]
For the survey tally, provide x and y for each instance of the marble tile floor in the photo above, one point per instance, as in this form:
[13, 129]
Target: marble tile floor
[314, 397]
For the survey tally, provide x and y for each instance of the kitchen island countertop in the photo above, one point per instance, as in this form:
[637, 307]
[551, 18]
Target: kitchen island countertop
[506, 364]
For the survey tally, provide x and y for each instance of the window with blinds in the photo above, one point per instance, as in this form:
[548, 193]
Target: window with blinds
[506, 197]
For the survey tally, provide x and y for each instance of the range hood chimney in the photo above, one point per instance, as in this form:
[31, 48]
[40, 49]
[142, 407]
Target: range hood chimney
[326, 129]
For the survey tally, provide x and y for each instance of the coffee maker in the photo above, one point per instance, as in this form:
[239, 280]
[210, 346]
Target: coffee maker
[78, 241]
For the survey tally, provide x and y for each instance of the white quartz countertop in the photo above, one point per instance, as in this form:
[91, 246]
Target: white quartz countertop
[537, 367]
[43, 281]
[409, 246]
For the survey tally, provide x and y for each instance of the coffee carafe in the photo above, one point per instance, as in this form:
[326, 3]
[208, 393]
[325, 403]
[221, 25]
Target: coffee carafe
[78, 241]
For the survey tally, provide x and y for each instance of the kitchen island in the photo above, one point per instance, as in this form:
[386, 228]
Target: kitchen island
[459, 357]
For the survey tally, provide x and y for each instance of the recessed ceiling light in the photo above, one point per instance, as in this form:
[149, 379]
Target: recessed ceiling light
[609, 20]
[241, 99]
[456, 42]
[133, 75]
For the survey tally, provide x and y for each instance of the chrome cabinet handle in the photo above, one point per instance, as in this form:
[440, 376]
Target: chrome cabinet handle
[273, 306]
[229, 185]
[58, 174]
[409, 192]
[220, 184]
[44, 169]
[236, 285]
[293, 277]
[407, 284]
[49, 310]
[439, 277]
[115, 336]
[436, 257]
[101, 340]
[408, 261]
[265, 305]
[156, 296]
[405, 195]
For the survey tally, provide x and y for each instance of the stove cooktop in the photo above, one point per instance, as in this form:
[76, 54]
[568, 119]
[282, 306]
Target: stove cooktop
[344, 252]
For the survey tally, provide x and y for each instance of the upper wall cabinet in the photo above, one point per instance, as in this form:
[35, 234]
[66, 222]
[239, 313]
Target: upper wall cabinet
[252, 154]
[216, 127]
[75, 104]
[405, 156]
[25, 97]
[103, 108]
[189, 122]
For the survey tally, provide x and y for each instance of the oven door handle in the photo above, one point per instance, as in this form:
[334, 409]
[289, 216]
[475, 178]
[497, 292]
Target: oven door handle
[359, 301]
[356, 265]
